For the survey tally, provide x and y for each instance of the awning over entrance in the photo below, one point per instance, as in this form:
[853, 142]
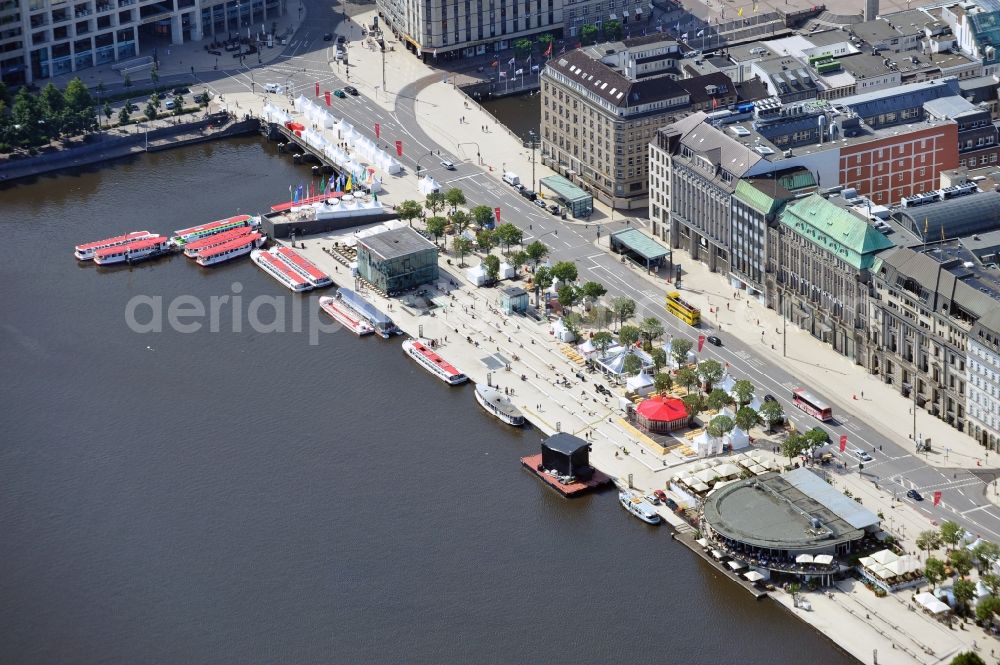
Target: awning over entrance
[640, 246]
[579, 202]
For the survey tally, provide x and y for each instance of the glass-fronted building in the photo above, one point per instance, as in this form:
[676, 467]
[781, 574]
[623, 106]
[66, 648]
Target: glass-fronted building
[397, 260]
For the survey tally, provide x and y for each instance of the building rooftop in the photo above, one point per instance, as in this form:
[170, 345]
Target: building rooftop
[950, 107]
[396, 243]
[796, 511]
[876, 32]
[940, 279]
[953, 218]
[909, 21]
[869, 104]
[641, 244]
[565, 443]
[835, 230]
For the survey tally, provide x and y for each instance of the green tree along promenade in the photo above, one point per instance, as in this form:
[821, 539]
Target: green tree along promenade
[29, 119]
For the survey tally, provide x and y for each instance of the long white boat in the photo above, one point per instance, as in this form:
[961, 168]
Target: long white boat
[230, 250]
[498, 404]
[87, 251]
[376, 318]
[639, 507]
[345, 316]
[303, 266]
[280, 270]
[195, 247]
[420, 350]
[134, 251]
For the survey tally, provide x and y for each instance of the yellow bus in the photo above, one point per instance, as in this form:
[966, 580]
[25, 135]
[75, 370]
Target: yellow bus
[683, 310]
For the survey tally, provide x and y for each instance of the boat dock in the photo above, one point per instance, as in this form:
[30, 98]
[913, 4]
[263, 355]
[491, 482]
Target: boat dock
[596, 482]
[688, 540]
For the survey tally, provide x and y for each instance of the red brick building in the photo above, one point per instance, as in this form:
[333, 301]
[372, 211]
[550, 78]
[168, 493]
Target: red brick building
[888, 168]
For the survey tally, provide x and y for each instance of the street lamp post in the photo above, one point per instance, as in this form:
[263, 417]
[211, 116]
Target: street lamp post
[534, 144]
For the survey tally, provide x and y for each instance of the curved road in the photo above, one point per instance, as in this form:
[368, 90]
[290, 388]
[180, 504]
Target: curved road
[895, 467]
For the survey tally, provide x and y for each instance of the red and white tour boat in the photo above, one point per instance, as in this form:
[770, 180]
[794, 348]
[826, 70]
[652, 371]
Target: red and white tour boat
[184, 236]
[344, 316]
[192, 248]
[420, 350]
[230, 250]
[280, 270]
[134, 251]
[303, 266]
[86, 251]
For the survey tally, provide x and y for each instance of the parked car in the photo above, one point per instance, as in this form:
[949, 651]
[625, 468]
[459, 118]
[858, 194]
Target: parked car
[672, 505]
[180, 91]
[915, 495]
[713, 340]
[448, 165]
[340, 93]
[529, 194]
[328, 37]
[540, 203]
[769, 398]
[351, 90]
[131, 107]
[554, 208]
[341, 39]
[661, 495]
[169, 104]
[653, 499]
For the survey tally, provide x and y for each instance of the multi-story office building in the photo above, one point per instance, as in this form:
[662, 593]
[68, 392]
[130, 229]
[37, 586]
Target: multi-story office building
[919, 326]
[44, 38]
[756, 203]
[465, 28]
[602, 104]
[983, 382]
[819, 262]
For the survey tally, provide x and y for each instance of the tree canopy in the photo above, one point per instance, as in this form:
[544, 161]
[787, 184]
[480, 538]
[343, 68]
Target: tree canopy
[679, 348]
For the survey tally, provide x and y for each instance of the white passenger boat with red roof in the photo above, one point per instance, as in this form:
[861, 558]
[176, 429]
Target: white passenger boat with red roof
[303, 266]
[193, 248]
[420, 350]
[184, 236]
[280, 270]
[134, 251]
[230, 250]
[86, 251]
[345, 316]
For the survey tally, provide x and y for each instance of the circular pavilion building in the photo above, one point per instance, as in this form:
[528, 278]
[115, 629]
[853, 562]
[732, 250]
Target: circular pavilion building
[661, 415]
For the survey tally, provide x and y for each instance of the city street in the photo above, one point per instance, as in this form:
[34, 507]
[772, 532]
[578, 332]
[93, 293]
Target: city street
[480, 153]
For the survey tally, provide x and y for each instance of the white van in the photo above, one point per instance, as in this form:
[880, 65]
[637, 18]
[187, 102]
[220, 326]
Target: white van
[511, 178]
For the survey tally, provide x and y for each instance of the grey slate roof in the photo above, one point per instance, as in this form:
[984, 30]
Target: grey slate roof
[396, 243]
[870, 104]
[961, 216]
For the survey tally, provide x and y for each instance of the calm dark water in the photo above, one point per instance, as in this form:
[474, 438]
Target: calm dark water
[519, 113]
[246, 497]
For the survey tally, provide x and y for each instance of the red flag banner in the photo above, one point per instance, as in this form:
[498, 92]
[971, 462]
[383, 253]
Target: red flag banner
[399, 148]
[328, 100]
[937, 497]
[378, 130]
[548, 51]
[843, 442]
[317, 88]
[701, 342]
[496, 213]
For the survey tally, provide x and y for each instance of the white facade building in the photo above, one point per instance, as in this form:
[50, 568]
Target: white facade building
[983, 382]
[44, 38]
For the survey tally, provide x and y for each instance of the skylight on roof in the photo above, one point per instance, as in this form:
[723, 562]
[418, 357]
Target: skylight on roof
[604, 86]
[619, 95]
[613, 91]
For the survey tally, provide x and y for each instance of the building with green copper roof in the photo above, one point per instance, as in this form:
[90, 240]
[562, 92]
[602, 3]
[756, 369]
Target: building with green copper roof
[755, 206]
[835, 230]
[819, 263]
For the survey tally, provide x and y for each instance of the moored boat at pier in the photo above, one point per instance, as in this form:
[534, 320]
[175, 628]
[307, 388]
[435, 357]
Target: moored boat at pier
[86, 251]
[383, 325]
[303, 266]
[134, 251]
[183, 236]
[281, 271]
[498, 404]
[345, 316]
[235, 248]
[193, 248]
[420, 350]
[639, 507]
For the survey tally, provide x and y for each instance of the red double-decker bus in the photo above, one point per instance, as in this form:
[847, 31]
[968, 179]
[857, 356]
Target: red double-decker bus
[811, 404]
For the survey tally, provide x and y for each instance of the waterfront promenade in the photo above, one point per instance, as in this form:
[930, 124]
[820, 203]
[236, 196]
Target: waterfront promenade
[437, 109]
